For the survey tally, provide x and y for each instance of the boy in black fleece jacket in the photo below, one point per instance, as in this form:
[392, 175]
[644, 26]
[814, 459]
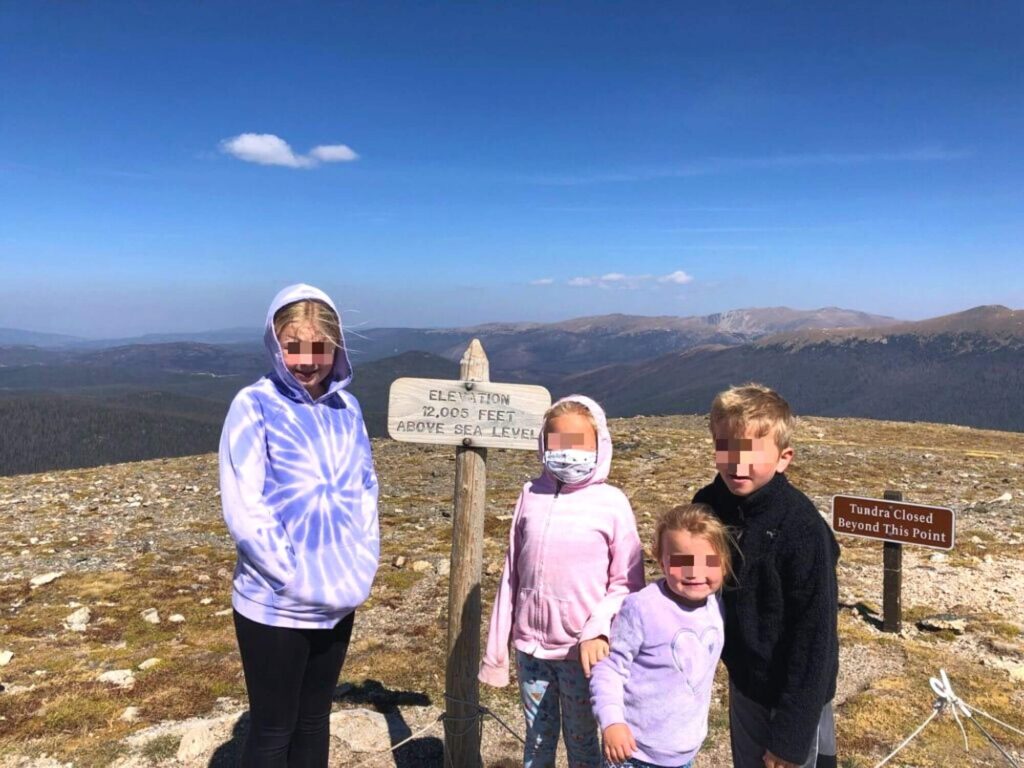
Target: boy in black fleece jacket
[781, 641]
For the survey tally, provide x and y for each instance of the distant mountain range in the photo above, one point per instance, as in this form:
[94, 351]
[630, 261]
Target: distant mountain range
[965, 368]
[521, 349]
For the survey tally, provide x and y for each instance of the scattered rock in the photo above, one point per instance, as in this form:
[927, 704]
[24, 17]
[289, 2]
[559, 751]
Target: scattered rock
[198, 741]
[1017, 673]
[5, 658]
[421, 566]
[225, 612]
[398, 562]
[943, 621]
[176, 618]
[78, 620]
[1004, 498]
[444, 567]
[122, 678]
[151, 615]
[939, 557]
[130, 715]
[45, 578]
[150, 663]
[360, 730]
[206, 601]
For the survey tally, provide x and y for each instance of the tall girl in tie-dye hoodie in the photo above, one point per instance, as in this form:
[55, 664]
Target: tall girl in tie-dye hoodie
[299, 495]
[573, 556]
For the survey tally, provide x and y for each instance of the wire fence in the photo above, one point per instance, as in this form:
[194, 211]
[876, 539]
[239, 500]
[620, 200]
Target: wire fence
[946, 701]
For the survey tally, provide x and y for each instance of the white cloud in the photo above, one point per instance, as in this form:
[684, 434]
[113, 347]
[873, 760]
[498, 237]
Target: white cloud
[268, 149]
[543, 281]
[334, 153]
[676, 278]
[632, 282]
[265, 149]
[610, 280]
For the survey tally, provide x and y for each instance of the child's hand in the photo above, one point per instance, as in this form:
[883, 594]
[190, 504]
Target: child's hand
[619, 744]
[773, 761]
[591, 652]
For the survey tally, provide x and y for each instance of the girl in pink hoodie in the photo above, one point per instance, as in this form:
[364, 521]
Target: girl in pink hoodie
[573, 556]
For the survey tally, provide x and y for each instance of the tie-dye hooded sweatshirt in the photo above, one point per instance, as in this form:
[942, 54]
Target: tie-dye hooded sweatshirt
[573, 556]
[299, 492]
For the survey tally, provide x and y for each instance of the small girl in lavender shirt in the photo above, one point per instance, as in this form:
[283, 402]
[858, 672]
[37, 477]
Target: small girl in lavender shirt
[652, 694]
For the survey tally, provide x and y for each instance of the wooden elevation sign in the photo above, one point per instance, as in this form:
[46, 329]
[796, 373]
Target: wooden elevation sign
[480, 414]
[894, 521]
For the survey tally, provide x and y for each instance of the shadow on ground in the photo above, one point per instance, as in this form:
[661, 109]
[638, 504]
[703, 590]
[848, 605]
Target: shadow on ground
[424, 752]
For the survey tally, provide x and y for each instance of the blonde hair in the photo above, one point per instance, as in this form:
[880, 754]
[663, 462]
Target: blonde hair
[752, 405]
[315, 313]
[697, 520]
[566, 407]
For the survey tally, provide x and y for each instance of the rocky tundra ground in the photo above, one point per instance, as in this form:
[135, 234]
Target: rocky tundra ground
[117, 647]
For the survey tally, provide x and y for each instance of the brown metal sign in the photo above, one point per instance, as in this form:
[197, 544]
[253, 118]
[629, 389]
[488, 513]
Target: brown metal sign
[894, 521]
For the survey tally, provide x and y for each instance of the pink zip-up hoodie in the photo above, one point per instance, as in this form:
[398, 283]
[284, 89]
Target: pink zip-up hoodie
[573, 556]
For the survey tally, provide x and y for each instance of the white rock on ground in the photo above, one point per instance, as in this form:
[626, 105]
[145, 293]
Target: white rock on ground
[130, 715]
[199, 740]
[45, 578]
[421, 566]
[149, 663]
[122, 678]
[78, 620]
[151, 615]
[5, 658]
[361, 730]
[176, 618]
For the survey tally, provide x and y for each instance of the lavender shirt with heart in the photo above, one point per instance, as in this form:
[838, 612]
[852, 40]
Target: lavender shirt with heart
[658, 676]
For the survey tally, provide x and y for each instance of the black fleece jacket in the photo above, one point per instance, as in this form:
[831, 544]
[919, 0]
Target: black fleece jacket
[781, 639]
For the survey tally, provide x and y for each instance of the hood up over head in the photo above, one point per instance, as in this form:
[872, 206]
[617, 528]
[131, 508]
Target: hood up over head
[341, 373]
[604, 443]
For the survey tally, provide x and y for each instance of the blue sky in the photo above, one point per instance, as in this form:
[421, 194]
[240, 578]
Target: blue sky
[515, 161]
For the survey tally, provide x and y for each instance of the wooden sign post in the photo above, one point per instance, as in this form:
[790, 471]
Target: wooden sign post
[895, 523]
[473, 414]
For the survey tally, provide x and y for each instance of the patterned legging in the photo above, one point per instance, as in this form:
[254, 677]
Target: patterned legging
[556, 695]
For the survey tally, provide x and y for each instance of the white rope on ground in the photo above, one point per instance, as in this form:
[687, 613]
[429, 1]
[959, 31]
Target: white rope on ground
[994, 743]
[388, 751]
[946, 697]
[935, 710]
[1007, 726]
[944, 690]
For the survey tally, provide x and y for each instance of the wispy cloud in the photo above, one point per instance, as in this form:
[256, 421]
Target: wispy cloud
[543, 281]
[268, 149]
[676, 278]
[619, 280]
[721, 165]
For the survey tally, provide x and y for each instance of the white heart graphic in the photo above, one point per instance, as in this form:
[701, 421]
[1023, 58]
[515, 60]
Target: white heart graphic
[693, 655]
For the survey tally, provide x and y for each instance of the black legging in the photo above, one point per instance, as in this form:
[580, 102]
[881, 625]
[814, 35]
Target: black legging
[290, 675]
